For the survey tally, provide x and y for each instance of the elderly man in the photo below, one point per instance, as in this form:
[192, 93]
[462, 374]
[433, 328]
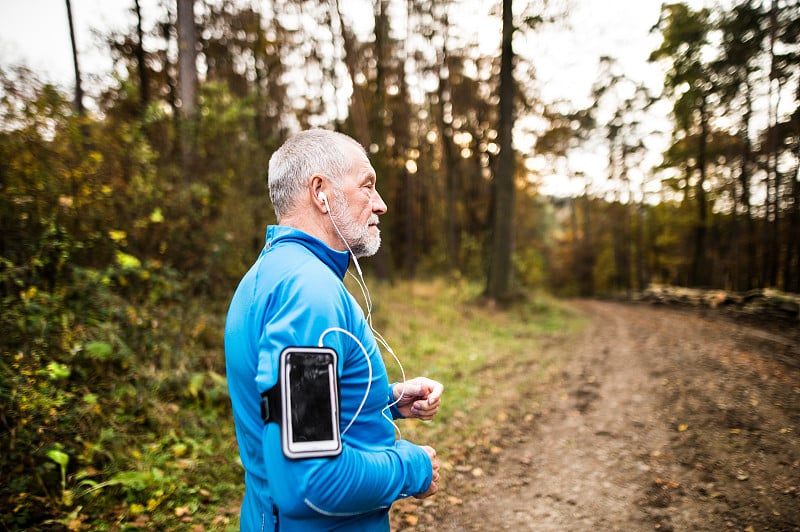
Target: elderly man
[322, 187]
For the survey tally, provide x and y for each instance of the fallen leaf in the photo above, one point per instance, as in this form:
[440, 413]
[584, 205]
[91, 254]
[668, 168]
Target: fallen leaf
[142, 521]
[411, 520]
[667, 483]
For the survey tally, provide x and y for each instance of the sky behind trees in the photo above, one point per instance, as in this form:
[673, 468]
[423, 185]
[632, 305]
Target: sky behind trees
[35, 33]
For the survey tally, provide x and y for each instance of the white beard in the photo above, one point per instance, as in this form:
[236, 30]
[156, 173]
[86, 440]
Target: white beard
[361, 241]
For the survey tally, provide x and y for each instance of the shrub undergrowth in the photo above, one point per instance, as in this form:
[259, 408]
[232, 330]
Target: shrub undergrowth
[112, 394]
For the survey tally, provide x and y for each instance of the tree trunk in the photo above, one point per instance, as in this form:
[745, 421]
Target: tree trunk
[791, 266]
[358, 110]
[79, 109]
[641, 275]
[749, 273]
[187, 58]
[187, 84]
[501, 245]
[372, 123]
[771, 221]
[412, 185]
[172, 89]
[144, 94]
[589, 258]
[699, 263]
[452, 225]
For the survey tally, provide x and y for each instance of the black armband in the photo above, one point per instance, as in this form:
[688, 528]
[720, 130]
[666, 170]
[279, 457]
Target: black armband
[271, 405]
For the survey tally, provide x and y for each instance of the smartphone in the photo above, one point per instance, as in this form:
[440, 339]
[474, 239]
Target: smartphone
[310, 394]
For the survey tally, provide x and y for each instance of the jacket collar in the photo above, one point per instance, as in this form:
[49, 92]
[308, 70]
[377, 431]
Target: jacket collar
[338, 261]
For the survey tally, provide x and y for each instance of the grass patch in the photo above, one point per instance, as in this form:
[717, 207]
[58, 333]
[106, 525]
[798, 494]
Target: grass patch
[484, 356]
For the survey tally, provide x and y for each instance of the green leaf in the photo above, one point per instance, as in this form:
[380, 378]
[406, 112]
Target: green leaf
[62, 459]
[98, 350]
[137, 480]
[128, 262]
[57, 371]
[196, 384]
[59, 457]
[117, 236]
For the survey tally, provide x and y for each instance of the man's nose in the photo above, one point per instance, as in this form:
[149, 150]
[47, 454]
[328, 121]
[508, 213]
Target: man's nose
[378, 206]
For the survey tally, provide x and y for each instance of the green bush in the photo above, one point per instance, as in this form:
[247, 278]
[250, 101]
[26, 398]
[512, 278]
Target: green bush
[111, 374]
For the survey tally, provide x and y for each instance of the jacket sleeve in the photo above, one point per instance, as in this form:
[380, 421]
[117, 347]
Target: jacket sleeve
[390, 400]
[352, 483]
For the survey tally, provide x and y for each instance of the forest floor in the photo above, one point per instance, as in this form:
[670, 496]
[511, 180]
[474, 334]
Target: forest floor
[649, 418]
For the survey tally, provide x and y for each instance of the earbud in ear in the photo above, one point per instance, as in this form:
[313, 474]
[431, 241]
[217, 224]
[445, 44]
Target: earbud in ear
[322, 197]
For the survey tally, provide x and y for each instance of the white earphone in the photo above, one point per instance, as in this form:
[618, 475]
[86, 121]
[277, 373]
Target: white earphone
[324, 199]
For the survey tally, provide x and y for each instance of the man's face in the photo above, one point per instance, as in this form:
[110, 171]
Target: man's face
[357, 205]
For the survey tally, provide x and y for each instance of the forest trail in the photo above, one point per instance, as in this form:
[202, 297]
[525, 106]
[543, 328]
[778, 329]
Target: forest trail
[650, 418]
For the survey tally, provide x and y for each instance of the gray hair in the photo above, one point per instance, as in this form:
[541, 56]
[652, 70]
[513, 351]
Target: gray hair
[313, 151]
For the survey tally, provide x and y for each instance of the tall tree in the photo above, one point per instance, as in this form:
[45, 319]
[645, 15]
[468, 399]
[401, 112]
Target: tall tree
[144, 83]
[78, 86]
[737, 71]
[772, 220]
[785, 69]
[688, 80]
[187, 82]
[358, 110]
[448, 159]
[498, 286]
[187, 58]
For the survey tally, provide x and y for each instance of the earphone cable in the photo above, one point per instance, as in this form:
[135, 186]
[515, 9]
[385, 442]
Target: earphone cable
[362, 284]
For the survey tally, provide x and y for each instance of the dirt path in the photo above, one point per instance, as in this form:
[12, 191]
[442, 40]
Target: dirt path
[654, 419]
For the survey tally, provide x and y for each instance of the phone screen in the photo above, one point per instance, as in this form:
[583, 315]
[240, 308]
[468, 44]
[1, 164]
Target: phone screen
[310, 389]
[310, 383]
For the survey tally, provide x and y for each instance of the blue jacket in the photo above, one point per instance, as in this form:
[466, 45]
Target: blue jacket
[289, 297]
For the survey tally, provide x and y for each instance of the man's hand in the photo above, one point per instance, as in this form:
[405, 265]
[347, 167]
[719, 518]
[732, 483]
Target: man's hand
[434, 486]
[420, 398]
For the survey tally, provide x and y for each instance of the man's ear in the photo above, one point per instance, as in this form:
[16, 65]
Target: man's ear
[316, 187]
